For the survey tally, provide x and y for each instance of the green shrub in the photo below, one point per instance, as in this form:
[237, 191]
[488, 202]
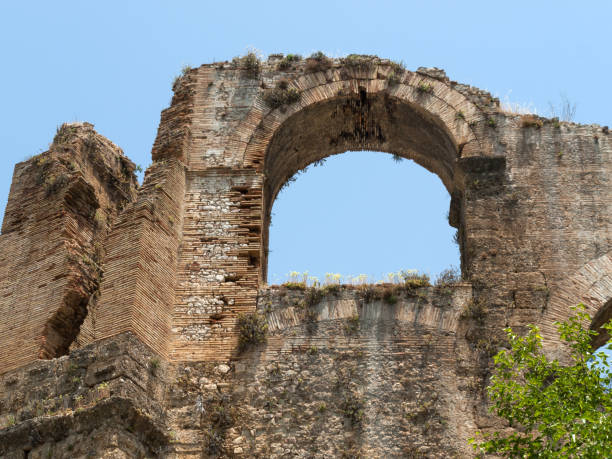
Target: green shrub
[252, 330]
[294, 285]
[288, 60]
[556, 409]
[154, 365]
[353, 408]
[413, 279]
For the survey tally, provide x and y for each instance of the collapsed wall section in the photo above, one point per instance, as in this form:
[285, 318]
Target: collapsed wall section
[137, 291]
[61, 206]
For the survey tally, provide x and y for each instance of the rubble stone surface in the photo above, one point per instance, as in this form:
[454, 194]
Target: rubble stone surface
[125, 310]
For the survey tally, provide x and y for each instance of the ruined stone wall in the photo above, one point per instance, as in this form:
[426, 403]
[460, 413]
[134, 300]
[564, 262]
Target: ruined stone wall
[61, 205]
[104, 400]
[370, 371]
[344, 371]
[137, 289]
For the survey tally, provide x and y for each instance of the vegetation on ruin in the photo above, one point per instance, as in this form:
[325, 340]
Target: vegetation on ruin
[425, 88]
[281, 95]
[534, 121]
[388, 290]
[318, 62]
[447, 277]
[474, 309]
[410, 278]
[184, 71]
[397, 71]
[554, 410]
[565, 110]
[250, 63]
[288, 61]
[54, 183]
[64, 134]
[252, 330]
[359, 61]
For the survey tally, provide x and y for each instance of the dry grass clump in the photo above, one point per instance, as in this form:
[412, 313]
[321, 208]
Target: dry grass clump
[64, 134]
[318, 62]
[360, 61]
[534, 121]
[281, 95]
[397, 72]
[249, 63]
[448, 277]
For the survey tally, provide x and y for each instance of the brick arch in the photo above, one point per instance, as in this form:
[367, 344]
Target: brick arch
[590, 285]
[355, 109]
[463, 120]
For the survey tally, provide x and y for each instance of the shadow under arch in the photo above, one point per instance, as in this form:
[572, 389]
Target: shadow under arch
[602, 317]
[358, 121]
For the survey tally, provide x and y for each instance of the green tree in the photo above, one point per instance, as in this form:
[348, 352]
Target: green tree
[555, 410]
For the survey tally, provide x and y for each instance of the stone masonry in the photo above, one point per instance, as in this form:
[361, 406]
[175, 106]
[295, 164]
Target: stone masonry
[123, 307]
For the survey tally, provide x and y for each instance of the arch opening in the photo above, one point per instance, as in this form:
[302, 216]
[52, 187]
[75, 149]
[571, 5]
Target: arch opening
[362, 214]
[359, 121]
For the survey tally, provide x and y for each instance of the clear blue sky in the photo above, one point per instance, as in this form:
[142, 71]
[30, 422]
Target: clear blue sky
[112, 63]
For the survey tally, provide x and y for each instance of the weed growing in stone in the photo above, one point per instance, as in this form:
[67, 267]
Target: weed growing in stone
[252, 330]
[425, 88]
[64, 134]
[154, 365]
[249, 63]
[413, 280]
[281, 95]
[474, 309]
[352, 325]
[397, 72]
[353, 408]
[55, 183]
